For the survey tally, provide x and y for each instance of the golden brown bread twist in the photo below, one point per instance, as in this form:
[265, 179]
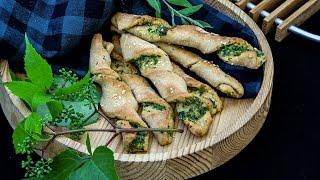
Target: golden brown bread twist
[117, 100]
[232, 50]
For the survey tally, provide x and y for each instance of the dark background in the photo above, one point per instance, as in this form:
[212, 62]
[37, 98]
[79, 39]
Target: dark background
[287, 147]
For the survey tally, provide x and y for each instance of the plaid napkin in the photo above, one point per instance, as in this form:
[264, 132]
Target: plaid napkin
[56, 28]
[61, 30]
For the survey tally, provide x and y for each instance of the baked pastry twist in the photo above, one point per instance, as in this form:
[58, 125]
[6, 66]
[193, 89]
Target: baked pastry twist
[117, 100]
[232, 50]
[205, 69]
[201, 90]
[154, 64]
[155, 111]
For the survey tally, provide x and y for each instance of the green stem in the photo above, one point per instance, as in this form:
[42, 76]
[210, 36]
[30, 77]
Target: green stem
[117, 130]
[176, 12]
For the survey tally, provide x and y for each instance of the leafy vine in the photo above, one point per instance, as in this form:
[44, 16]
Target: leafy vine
[65, 101]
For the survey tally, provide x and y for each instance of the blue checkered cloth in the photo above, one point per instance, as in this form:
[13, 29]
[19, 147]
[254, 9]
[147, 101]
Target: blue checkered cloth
[54, 27]
[61, 31]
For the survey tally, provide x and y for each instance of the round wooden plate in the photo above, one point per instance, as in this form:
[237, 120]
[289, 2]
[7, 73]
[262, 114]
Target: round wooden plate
[188, 155]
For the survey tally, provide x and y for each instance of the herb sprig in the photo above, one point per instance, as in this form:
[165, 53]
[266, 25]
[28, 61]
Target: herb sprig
[61, 101]
[184, 14]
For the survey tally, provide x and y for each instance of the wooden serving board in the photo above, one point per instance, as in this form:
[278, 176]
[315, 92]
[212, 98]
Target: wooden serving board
[188, 155]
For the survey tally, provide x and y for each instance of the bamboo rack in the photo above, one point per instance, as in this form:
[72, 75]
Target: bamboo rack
[286, 15]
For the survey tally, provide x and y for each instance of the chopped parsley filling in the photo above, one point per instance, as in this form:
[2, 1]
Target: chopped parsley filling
[194, 109]
[259, 53]
[146, 61]
[232, 50]
[138, 142]
[159, 30]
[123, 68]
[197, 90]
[152, 105]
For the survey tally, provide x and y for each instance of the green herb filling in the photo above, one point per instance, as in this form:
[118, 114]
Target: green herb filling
[160, 30]
[232, 50]
[153, 106]
[259, 53]
[146, 61]
[197, 90]
[194, 110]
[138, 142]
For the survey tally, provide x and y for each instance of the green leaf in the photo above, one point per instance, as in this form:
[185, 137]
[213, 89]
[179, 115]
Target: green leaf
[55, 108]
[70, 165]
[74, 87]
[204, 24]
[24, 90]
[199, 23]
[88, 145]
[156, 5]
[33, 124]
[38, 70]
[40, 99]
[19, 135]
[183, 21]
[30, 127]
[64, 164]
[190, 10]
[85, 109]
[100, 166]
[183, 3]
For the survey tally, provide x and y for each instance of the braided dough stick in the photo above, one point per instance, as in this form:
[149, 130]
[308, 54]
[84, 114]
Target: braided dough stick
[192, 110]
[117, 99]
[206, 94]
[232, 50]
[144, 94]
[155, 111]
[206, 70]
[200, 89]
[158, 69]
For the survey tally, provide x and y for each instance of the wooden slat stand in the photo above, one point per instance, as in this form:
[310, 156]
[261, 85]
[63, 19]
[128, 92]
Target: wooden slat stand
[293, 12]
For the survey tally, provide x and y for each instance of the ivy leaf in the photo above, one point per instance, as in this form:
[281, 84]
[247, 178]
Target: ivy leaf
[39, 72]
[74, 87]
[33, 124]
[190, 10]
[100, 166]
[31, 127]
[64, 164]
[85, 109]
[204, 24]
[156, 5]
[18, 136]
[88, 145]
[70, 165]
[40, 99]
[24, 90]
[183, 3]
[55, 108]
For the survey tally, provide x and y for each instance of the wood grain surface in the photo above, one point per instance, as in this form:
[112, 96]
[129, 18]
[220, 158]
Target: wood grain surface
[284, 9]
[188, 155]
[297, 18]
